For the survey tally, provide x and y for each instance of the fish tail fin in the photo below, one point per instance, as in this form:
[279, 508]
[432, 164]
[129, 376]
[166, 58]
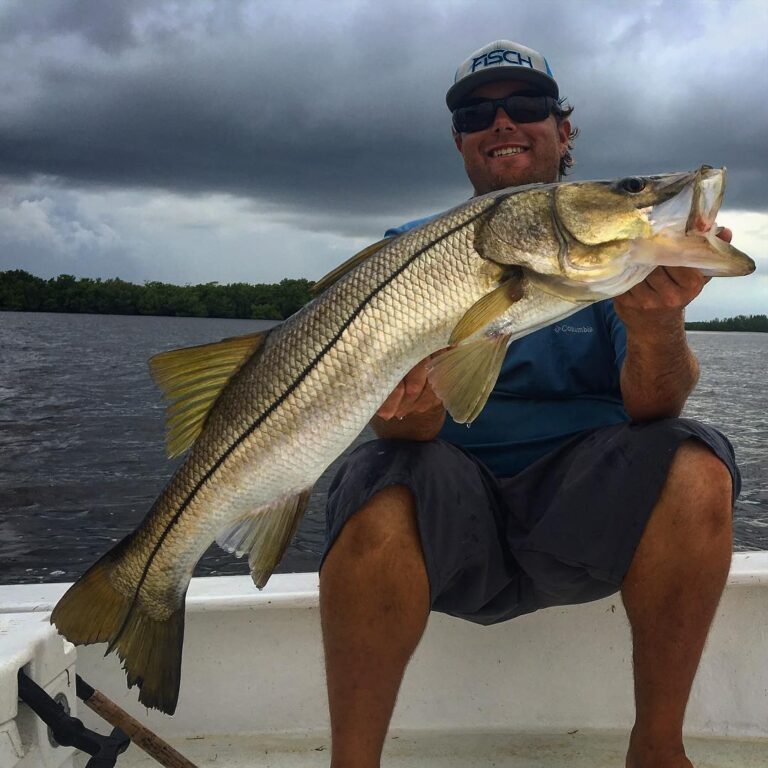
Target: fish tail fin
[93, 610]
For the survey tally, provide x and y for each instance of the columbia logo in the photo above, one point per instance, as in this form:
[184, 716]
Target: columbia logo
[574, 329]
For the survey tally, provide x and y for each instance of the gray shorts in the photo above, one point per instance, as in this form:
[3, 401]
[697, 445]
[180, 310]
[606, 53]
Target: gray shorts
[562, 531]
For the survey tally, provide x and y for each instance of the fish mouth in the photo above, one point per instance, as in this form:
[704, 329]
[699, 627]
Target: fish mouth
[683, 233]
[694, 208]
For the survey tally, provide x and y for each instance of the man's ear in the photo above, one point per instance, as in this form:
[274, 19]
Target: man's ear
[563, 134]
[456, 138]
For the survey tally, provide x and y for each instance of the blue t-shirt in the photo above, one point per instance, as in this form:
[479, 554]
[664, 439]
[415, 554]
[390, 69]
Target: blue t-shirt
[555, 383]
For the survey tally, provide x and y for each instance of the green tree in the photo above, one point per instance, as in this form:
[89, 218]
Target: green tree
[22, 291]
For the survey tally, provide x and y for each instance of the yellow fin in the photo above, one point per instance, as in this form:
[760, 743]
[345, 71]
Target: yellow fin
[463, 377]
[348, 266]
[265, 533]
[491, 306]
[93, 611]
[191, 380]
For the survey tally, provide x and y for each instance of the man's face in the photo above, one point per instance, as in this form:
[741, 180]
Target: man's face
[536, 148]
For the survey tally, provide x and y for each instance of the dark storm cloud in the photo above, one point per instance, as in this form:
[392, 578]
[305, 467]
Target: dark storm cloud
[105, 25]
[338, 111]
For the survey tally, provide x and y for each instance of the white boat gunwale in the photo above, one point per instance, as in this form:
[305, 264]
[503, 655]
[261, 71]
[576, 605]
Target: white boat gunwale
[253, 668]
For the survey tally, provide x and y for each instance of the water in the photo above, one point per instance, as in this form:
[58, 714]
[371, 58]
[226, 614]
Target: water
[81, 437]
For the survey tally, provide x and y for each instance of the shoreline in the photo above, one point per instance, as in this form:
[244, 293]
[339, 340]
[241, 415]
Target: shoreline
[273, 321]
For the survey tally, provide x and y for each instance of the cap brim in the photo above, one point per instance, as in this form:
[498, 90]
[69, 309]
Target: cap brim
[458, 92]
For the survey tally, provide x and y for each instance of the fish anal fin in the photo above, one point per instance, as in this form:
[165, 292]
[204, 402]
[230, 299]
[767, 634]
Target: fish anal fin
[336, 274]
[265, 533]
[464, 376]
[93, 610]
[196, 376]
[487, 309]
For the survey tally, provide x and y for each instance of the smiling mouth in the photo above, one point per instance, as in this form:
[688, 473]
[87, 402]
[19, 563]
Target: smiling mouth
[505, 151]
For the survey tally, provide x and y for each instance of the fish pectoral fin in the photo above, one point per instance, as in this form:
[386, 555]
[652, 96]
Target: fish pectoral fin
[336, 275]
[491, 306]
[463, 377]
[264, 534]
[191, 380]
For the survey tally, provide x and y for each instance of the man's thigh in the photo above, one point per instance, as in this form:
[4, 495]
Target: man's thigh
[562, 531]
[577, 516]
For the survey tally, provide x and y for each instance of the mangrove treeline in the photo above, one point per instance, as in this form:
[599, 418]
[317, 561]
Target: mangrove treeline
[738, 323]
[23, 292]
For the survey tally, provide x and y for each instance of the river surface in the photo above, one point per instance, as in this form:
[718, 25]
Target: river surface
[81, 437]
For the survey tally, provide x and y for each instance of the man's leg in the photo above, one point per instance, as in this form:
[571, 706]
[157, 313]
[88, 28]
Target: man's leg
[670, 593]
[374, 603]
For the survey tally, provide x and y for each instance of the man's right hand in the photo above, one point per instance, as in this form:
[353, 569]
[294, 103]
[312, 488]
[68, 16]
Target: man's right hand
[412, 411]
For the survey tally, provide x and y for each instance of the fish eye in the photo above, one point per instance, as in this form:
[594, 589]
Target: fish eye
[633, 184]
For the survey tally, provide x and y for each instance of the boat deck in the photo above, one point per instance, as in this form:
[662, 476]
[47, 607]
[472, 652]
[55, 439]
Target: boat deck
[580, 749]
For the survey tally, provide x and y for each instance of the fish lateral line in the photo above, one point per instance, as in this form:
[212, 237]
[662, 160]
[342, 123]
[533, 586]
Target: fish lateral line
[211, 471]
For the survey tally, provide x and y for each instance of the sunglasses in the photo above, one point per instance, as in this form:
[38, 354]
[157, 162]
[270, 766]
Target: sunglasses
[520, 109]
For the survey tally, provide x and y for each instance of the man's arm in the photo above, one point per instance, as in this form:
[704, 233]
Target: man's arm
[659, 370]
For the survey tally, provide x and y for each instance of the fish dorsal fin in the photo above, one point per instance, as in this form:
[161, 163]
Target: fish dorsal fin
[491, 306]
[348, 266]
[264, 534]
[191, 379]
[464, 376]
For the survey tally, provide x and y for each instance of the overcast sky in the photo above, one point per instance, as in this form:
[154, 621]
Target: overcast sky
[255, 140]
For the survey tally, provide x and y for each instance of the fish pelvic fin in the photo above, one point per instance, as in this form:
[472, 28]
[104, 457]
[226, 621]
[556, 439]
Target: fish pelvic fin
[191, 380]
[264, 534]
[464, 376]
[92, 610]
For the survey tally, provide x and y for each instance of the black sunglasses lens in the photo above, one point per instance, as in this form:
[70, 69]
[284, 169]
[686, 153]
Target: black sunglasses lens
[521, 109]
[475, 117]
[528, 109]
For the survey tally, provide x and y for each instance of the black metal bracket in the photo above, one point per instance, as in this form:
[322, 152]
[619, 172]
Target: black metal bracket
[69, 731]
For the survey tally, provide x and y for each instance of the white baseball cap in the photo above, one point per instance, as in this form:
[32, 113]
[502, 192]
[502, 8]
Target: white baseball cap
[501, 60]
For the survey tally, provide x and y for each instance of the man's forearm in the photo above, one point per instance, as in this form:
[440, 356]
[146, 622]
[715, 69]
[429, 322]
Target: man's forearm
[414, 426]
[659, 370]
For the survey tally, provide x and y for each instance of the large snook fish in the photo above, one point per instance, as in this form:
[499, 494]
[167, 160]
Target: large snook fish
[263, 415]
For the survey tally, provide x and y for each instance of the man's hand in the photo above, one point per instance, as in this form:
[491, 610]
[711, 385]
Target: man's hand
[412, 395]
[661, 297]
[413, 411]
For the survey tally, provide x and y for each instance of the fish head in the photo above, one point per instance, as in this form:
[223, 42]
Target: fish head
[610, 234]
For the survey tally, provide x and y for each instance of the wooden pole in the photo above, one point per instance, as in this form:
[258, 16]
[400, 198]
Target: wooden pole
[139, 734]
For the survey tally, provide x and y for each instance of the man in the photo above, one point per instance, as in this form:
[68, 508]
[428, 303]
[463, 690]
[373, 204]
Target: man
[475, 523]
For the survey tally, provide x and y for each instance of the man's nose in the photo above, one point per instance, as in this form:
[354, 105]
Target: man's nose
[503, 121]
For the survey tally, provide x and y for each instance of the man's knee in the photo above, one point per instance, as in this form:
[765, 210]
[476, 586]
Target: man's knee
[699, 488]
[386, 521]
